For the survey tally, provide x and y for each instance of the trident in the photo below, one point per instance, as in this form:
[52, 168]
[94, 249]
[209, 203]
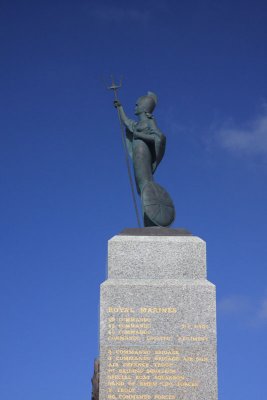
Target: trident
[115, 88]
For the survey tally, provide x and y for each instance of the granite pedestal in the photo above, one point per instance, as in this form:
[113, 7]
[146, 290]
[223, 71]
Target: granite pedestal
[157, 320]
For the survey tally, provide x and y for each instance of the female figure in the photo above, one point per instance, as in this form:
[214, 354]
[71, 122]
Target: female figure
[146, 146]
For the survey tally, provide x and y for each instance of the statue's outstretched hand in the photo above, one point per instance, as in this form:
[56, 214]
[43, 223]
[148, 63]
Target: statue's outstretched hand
[116, 103]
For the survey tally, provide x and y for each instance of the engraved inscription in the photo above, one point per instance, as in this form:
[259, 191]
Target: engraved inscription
[145, 355]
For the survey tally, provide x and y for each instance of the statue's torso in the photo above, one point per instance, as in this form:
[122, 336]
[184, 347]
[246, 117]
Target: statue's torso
[141, 125]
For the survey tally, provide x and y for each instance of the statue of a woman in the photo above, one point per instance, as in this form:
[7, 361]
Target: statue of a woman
[146, 146]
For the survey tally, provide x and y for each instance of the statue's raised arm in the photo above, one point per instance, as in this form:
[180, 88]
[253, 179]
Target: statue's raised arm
[146, 146]
[129, 123]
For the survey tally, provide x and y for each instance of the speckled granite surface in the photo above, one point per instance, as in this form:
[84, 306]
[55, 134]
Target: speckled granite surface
[157, 321]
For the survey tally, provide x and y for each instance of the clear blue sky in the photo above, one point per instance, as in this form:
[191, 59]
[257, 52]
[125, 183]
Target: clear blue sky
[64, 187]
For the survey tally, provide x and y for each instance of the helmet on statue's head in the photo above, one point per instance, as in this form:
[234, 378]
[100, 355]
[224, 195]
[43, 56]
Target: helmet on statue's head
[146, 103]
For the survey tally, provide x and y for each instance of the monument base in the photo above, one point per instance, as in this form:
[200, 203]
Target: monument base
[157, 320]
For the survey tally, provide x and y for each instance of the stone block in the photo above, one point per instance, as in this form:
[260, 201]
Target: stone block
[157, 321]
[161, 257]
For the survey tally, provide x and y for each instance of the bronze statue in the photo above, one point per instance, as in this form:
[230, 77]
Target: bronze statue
[146, 146]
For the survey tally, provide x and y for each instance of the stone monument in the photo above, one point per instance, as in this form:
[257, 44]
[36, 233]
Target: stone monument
[157, 318]
[157, 308]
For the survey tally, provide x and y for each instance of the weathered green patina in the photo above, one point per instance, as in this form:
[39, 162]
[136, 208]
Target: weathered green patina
[146, 146]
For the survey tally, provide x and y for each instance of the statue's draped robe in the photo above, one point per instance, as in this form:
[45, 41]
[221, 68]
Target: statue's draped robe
[157, 147]
[146, 146]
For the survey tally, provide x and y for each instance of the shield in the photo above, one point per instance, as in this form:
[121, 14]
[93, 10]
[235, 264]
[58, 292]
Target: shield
[157, 205]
